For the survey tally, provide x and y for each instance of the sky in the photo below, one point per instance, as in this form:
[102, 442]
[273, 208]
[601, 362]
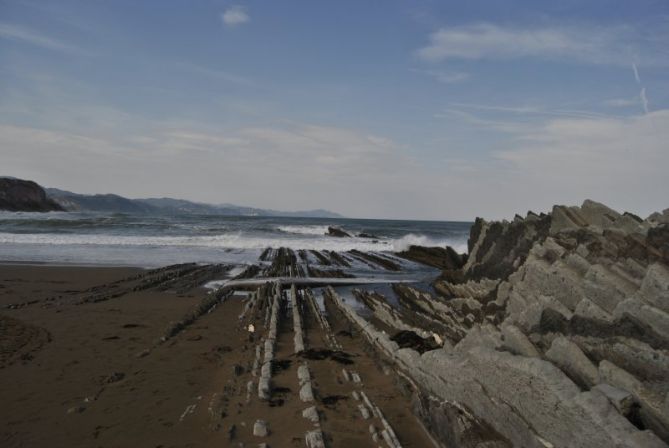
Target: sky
[407, 109]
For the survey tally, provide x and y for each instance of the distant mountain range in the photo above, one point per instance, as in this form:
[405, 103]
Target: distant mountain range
[119, 204]
[26, 195]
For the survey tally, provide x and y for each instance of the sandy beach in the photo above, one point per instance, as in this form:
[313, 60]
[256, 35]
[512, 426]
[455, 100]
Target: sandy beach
[80, 367]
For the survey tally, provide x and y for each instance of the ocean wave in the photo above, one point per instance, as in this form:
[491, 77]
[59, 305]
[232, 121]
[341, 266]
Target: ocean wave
[304, 230]
[230, 241]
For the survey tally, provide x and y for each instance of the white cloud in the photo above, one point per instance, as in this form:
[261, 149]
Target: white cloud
[235, 15]
[620, 161]
[445, 77]
[282, 166]
[489, 41]
[26, 35]
[623, 102]
[217, 74]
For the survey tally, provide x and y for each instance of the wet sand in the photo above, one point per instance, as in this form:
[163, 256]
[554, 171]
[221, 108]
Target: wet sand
[82, 364]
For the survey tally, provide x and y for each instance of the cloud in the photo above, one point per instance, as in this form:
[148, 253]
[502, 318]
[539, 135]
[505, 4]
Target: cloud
[443, 76]
[529, 110]
[619, 161]
[623, 102]
[612, 45]
[235, 15]
[220, 75]
[281, 165]
[26, 35]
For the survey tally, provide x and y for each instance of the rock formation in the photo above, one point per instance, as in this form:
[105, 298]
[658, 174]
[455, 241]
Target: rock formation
[554, 333]
[337, 232]
[19, 195]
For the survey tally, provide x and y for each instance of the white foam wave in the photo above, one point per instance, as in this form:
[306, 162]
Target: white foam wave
[304, 230]
[228, 241]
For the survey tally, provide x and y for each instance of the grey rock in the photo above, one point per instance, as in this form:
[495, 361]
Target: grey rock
[516, 342]
[306, 392]
[314, 439]
[260, 428]
[622, 400]
[569, 357]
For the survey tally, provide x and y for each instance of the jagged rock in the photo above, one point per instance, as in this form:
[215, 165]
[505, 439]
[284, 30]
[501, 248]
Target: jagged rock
[569, 357]
[582, 287]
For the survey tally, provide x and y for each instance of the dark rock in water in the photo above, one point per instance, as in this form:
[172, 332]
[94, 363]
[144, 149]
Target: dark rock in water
[335, 231]
[368, 235]
[409, 339]
[438, 257]
[17, 195]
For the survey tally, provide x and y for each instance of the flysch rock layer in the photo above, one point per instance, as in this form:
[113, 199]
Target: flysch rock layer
[554, 333]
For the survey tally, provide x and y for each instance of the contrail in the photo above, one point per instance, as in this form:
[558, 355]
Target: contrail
[644, 99]
[642, 94]
[636, 73]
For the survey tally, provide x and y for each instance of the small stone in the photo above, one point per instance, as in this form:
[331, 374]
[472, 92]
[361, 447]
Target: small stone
[314, 439]
[311, 414]
[114, 377]
[76, 410]
[260, 428]
[364, 411]
[306, 393]
[143, 353]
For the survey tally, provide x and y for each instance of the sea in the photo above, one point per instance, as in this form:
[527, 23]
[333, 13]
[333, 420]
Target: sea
[142, 240]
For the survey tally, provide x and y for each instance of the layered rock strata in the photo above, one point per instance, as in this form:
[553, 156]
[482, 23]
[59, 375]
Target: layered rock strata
[554, 333]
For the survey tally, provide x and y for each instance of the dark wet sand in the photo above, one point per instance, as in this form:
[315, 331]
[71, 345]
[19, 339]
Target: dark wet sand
[94, 374]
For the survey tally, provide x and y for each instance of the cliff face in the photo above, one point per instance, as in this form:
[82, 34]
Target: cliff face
[555, 333]
[24, 196]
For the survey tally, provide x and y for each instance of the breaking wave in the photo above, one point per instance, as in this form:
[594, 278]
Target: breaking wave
[304, 230]
[230, 241]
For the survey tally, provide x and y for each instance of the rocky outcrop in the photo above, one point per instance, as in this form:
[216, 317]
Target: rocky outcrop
[438, 257]
[554, 333]
[337, 232]
[17, 195]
